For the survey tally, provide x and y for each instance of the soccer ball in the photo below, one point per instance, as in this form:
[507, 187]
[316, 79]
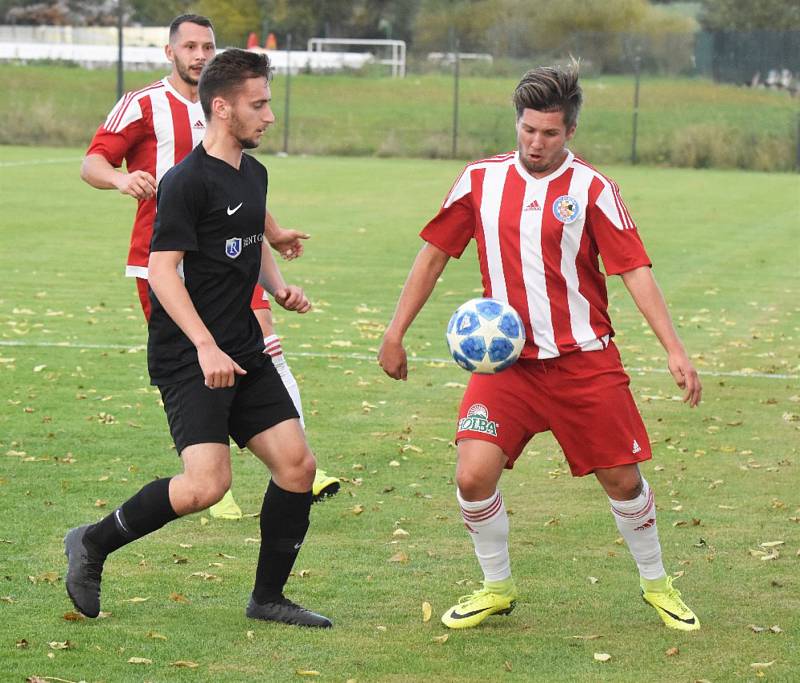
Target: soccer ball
[485, 336]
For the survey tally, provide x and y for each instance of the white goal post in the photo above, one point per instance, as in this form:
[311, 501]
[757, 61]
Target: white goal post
[398, 50]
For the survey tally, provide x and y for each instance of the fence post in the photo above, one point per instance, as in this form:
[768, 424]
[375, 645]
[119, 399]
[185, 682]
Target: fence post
[637, 70]
[288, 93]
[456, 76]
[797, 158]
[120, 66]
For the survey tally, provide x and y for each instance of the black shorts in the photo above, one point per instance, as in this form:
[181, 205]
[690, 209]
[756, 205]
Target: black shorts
[256, 402]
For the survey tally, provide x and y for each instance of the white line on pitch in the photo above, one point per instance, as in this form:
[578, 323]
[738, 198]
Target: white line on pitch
[39, 162]
[335, 355]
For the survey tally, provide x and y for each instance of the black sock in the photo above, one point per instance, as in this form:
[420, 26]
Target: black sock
[284, 522]
[147, 511]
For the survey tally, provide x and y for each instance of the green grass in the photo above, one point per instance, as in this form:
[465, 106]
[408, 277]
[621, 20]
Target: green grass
[682, 122]
[81, 430]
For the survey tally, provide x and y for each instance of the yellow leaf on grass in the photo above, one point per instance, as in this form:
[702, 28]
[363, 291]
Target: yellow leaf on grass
[137, 599]
[426, 612]
[601, 656]
[399, 557]
[672, 652]
[73, 616]
[140, 660]
[60, 645]
[590, 637]
[307, 672]
[155, 635]
[178, 597]
[441, 639]
[762, 665]
[400, 533]
[184, 664]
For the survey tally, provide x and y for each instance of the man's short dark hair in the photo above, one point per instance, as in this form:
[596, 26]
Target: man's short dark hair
[198, 19]
[551, 88]
[226, 73]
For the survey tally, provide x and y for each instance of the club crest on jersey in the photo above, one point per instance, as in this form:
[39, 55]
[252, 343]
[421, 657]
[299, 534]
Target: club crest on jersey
[233, 247]
[477, 420]
[566, 208]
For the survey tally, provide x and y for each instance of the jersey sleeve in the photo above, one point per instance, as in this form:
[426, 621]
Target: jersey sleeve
[613, 229]
[121, 131]
[454, 226]
[180, 204]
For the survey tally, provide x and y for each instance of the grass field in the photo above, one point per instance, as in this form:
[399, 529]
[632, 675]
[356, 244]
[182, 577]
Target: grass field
[682, 122]
[81, 430]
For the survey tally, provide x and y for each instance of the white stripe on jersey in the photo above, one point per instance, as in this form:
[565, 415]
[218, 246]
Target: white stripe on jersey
[571, 235]
[530, 243]
[165, 134]
[493, 183]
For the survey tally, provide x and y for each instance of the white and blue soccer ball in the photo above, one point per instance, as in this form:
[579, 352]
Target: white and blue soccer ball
[485, 336]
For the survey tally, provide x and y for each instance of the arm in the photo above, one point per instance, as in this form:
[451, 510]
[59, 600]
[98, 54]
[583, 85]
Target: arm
[98, 172]
[218, 368]
[286, 242]
[648, 298]
[427, 268]
[290, 297]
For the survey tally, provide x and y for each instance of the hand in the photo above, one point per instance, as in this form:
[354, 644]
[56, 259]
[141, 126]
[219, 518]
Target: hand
[293, 298]
[219, 369]
[137, 184]
[287, 243]
[686, 378]
[392, 358]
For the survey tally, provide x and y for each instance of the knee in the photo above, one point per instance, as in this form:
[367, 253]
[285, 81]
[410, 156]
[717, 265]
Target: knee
[205, 493]
[472, 486]
[626, 488]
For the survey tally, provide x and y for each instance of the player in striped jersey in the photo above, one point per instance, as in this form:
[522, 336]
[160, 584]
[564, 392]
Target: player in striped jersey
[542, 218]
[151, 130]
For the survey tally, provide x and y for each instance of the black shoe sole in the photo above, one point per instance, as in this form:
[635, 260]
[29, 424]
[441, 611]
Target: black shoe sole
[328, 492]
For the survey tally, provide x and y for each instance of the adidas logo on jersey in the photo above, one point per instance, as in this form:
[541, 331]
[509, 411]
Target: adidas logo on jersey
[199, 124]
[533, 206]
[636, 447]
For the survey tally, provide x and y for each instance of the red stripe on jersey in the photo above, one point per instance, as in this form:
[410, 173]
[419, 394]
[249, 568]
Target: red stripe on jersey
[142, 157]
[131, 96]
[477, 177]
[510, 248]
[552, 231]
[181, 128]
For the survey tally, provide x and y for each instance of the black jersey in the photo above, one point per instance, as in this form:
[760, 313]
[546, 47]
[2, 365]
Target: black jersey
[215, 214]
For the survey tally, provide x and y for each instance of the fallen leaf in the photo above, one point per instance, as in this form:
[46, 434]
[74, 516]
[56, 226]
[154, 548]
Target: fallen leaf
[357, 509]
[178, 597]
[593, 580]
[251, 635]
[426, 612]
[441, 639]
[762, 665]
[601, 656]
[137, 599]
[140, 660]
[756, 629]
[591, 637]
[73, 616]
[184, 664]
[672, 652]
[155, 635]
[771, 544]
[507, 665]
[22, 644]
[399, 557]
[60, 645]
[776, 629]
[307, 672]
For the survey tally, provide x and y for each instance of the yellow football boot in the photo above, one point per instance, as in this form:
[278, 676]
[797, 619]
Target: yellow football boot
[672, 610]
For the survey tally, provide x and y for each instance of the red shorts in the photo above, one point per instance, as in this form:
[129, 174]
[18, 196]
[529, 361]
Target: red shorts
[583, 398]
[260, 299]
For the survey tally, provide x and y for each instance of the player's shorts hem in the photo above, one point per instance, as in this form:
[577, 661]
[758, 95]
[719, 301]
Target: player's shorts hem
[241, 441]
[645, 457]
[477, 436]
[200, 442]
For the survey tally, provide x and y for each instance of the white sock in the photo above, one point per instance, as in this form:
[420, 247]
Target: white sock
[487, 523]
[273, 347]
[636, 521]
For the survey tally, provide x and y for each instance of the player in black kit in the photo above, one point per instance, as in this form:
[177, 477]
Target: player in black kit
[205, 350]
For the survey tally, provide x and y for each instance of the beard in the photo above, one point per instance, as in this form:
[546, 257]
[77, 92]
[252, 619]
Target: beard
[184, 74]
[237, 130]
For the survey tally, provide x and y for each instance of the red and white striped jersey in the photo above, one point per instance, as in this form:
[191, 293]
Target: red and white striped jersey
[151, 129]
[538, 244]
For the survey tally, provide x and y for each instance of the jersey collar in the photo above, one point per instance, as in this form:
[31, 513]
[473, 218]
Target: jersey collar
[176, 94]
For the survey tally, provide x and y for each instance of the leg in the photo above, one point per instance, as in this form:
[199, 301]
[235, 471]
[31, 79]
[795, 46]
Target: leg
[324, 485]
[205, 478]
[284, 522]
[480, 465]
[634, 511]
